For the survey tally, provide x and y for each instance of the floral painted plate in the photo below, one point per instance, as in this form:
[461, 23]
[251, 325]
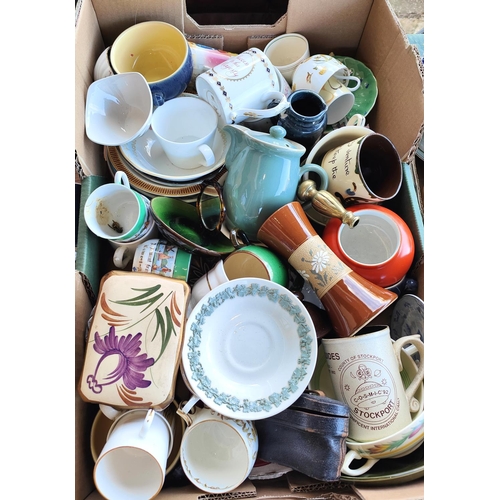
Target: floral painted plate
[250, 349]
[146, 155]
[134, 341]
[366, 96]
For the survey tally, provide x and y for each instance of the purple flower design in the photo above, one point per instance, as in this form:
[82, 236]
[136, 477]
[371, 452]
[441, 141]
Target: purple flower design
[129, 363]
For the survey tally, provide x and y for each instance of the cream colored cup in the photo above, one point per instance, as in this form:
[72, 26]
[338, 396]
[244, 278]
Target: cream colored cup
[365, 372]
[133, 461]
[286, 52]
[328, 77]
[242, 87]
[366, 169]
[217, 452]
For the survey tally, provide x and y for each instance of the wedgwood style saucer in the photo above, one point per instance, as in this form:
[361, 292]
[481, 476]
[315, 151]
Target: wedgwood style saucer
[366, 96]
[146, 155]
[248, 365]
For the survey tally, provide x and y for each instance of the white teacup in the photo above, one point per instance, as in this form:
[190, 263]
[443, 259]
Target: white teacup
[185, 129]
[242, 87]
[133, 462]
[114, 211]
[217, 452]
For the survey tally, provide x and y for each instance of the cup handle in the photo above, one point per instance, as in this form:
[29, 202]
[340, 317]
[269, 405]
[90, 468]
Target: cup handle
[208, 154]
[148, 420]
[185, 408]
[354, 455]
[419, 376]
[352, 79]
[356, 120]
[121, 257]
[121, 178]
[265, 113]
[109, 411]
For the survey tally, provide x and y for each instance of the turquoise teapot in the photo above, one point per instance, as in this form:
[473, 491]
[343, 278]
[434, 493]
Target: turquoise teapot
[264, 172]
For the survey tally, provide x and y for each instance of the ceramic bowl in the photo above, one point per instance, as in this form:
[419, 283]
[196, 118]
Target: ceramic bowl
[118, 109]
[178, 222]
[380, 248]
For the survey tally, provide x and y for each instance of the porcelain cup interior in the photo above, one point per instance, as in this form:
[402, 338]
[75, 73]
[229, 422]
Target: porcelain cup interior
[161, 54]
[118, 109]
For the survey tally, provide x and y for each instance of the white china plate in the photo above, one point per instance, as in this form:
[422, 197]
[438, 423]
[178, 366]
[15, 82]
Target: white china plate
[146, 154]
[407, 317]
[249, 349]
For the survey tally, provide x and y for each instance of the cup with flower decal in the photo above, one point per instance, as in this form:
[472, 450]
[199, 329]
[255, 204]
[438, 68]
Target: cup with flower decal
[365, 372]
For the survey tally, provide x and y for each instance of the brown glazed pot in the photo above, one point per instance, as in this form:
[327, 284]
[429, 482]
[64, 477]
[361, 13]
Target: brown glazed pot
[350, 300]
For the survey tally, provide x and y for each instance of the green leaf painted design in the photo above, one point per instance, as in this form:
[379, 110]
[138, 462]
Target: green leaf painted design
[163, 324]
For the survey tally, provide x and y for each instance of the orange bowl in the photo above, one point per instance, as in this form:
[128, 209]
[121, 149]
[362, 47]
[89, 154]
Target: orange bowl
[379, 248]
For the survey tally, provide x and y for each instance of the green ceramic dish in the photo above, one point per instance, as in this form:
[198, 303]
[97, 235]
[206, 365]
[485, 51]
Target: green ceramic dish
[391, 471]
[178, 222]
[366, 96]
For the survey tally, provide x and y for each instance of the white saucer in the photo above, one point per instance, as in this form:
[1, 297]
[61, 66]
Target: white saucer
[146, 154]
[245, 365]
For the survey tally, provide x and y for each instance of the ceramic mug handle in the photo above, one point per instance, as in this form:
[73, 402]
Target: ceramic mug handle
[356, 120]
[148, 420]
[121, 257]
[184, 409]
[265, 113]
[208, 154]
[354, 455]
[121, 178]
[419, 376]
[352, 79]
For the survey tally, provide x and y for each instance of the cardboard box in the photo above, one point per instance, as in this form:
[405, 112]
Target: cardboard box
[364, 29]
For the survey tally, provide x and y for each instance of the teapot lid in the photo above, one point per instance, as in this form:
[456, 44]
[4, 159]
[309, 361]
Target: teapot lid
[274, 140]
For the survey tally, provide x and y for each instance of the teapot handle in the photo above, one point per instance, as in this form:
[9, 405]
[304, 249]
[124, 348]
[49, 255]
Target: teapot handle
[264, 113]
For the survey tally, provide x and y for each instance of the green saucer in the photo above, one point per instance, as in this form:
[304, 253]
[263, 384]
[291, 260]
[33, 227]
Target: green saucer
[366, 96]
[179, 223]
